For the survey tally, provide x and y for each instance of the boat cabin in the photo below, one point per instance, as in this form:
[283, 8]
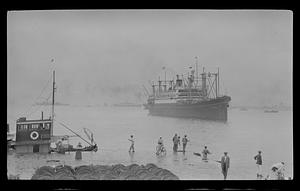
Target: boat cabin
[33, 136]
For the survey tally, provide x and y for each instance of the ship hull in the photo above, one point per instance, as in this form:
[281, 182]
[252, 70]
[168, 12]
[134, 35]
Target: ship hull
[215, 109]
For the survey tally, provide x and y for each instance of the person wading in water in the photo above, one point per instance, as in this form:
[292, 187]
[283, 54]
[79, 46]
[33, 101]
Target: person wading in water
[205, 152]
[184, 142]
[132, 144]
[175, 143]
[258, 159]
[160, 147]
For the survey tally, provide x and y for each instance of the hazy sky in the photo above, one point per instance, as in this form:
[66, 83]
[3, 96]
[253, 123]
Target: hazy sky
[94, 50]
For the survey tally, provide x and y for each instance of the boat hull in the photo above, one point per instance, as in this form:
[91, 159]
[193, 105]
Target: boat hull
[215, 109]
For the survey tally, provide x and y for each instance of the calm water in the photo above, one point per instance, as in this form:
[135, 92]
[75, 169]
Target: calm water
[242, 136]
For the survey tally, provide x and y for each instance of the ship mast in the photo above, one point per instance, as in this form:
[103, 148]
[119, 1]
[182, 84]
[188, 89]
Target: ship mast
[216, 81]
[196, 71]
[53, 90]
[165, 80]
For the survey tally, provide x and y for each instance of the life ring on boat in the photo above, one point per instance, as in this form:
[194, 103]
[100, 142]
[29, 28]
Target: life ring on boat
[34, 135]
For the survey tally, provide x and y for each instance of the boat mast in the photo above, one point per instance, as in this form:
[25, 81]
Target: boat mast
[165, 79]
[218, 81]
[204, 82]
[159, 85]
[53, 90]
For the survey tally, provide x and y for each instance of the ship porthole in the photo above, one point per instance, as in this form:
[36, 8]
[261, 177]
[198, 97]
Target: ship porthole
[34, 135]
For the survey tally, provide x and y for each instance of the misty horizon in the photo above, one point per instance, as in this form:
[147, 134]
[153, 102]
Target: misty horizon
[107, 56]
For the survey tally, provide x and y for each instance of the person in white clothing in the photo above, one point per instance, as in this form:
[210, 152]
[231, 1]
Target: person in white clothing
[278, 169]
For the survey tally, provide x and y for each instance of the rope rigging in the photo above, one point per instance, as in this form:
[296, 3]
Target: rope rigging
[38, 106]
[31, 106]
[73, 132]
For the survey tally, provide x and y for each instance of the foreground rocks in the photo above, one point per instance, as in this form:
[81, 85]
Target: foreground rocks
[104, 172]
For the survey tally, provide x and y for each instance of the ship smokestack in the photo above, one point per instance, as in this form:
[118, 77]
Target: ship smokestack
[178, 81]
[42, 115]
[153, 89]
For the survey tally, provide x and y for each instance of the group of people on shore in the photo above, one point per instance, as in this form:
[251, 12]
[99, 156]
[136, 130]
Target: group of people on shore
[277, 168]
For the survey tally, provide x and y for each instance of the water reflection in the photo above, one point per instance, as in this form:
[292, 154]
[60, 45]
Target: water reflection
[175, 158]
[131, 155]
[161, 159]
[184, 156]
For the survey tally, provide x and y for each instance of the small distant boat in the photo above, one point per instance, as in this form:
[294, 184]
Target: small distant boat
[10, 139]
[271, 111]
[70, 148]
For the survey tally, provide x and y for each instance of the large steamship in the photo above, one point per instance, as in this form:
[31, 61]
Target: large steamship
[190, 96]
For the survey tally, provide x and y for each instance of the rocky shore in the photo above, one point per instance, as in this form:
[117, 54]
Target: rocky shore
[104, 172]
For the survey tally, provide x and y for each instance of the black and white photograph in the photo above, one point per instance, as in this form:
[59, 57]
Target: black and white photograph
[148, 94]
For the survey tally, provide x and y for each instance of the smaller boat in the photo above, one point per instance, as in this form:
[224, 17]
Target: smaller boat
[36, 136]
[10, 139]
[271, 111]
[62, 150]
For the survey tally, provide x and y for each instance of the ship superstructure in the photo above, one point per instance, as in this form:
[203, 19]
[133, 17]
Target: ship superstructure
[193, 95]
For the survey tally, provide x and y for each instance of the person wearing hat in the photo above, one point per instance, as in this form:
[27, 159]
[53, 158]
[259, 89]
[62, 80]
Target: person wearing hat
[258, 159]
[225, 161]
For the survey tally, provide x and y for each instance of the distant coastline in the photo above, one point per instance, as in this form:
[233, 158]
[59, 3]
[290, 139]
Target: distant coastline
[245, 108]
[47, 103]
[127, 104]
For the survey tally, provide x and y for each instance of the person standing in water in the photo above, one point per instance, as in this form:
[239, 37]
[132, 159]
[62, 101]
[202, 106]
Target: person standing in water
[205, 152]
[175, 145]
[178, 141]
[132, 144]
[258, 159]
[160, 146]
[184, 142]
[225, 161]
